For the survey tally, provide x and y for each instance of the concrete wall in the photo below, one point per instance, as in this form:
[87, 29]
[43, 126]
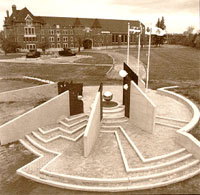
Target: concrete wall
[189, 142]
[30, 93]
[93, 127]
[45, 114]
[183, 137]
[142, 109]
[141, 84]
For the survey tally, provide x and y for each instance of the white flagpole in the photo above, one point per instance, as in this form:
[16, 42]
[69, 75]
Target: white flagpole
[149, 52]
[139, 52]
[128, 43]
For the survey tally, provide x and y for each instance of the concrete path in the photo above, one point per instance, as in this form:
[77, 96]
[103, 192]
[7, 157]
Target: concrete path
[118, 61]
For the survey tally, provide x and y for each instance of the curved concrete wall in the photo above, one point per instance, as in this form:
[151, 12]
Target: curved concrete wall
[183, 137]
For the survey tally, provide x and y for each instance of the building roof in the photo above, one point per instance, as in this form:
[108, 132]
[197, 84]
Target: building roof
[112, 25]
[20, 15]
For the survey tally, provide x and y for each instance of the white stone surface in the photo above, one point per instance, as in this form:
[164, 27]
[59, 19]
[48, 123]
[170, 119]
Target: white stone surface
[93, 127]
[142, 109]
[45, 114]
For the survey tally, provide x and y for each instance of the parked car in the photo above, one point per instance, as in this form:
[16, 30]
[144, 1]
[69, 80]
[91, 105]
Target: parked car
[66, 52]
[33, 54]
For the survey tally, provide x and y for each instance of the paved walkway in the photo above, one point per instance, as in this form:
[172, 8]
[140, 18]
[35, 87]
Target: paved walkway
[105, 161]
[166, 106]
[118, 61]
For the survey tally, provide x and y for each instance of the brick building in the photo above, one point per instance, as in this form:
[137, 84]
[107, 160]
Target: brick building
[31, 31]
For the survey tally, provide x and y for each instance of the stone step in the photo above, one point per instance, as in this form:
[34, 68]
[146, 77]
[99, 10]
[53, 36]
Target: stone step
[176, 123]
[43, 157]
[75, 118]
[36, 171]
[114, 110]
[122, 184]
[135, 157]
[31, 147]
[107, 109]
[134, 164]
[74, 126]
[114, 120]
[56, 146]
[71, 135]
[113, 115]
[60, 130]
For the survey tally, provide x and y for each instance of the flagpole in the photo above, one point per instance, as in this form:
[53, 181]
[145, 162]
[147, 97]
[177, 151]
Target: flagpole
[128, 44]
[148, 62]
[139, 51]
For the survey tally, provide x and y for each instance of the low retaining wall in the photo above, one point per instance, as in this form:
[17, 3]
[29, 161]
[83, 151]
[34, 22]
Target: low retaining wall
[142, 109]
[93, 127]
[44, 114]
[45, 91]
[182, 136]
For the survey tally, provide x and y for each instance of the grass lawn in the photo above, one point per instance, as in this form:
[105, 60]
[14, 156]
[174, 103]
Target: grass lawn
[11, 55]
[89, 75]
[96, 58]
[169, 66]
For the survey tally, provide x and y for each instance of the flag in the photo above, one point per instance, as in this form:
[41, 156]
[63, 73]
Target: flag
[158, 31]
[155, 31]
[135, 30]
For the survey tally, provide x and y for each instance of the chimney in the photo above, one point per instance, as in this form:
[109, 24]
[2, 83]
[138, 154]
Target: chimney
[7, 12]
[14, 8]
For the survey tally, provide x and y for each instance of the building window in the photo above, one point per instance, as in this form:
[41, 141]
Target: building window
[71, 45]
[58, 39]
[58, 32]
[28, 22]
[58, 45]
[51, 32]
[131, 38]
[71, 39]
[65, 39]
[52, 45]
[125, 38]
[71, 32]
[51, 39]
[29, 30]
[116, 38]
[113, 38]
[65, 32]
[30, 46]
[65, 45]
[122, 38]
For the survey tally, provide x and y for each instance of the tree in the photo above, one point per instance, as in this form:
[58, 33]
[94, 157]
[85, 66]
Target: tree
[44, 45]
[189, 30]
[189, 37]
[158, 23]
[9, 45]
[162, 24]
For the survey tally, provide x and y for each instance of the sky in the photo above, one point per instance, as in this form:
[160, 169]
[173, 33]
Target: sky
[178, 14]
